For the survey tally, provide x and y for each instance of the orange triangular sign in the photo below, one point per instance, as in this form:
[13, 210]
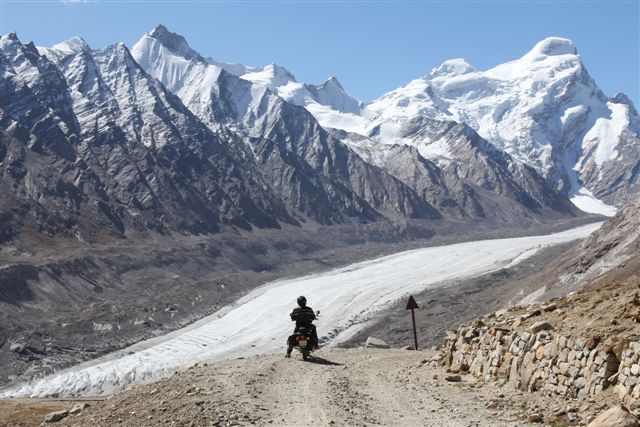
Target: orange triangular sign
[412, 303]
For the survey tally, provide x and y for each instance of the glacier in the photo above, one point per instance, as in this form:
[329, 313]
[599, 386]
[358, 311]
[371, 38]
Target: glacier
[258, 323]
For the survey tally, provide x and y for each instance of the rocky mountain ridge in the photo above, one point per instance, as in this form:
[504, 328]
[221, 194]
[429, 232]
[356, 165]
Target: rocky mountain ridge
[543, 109]
[264, 102]
[98, 144]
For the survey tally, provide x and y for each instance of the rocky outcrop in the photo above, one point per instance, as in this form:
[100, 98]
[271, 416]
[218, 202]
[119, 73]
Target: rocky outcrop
[373, 342]
[54, 417]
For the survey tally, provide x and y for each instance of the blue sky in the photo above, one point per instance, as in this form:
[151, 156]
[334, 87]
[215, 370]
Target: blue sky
[371, 46]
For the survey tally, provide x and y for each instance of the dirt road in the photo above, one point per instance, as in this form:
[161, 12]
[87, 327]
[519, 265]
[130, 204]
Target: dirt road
[355, 387]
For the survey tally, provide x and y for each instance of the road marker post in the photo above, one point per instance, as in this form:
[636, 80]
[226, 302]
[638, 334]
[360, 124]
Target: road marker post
[411, 305]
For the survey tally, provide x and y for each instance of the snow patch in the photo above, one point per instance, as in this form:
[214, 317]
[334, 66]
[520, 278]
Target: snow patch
[270, 76]
[74, 44]
[571, 114]
[605, 133]
[455, 66]
[587, 202]
[435, 150]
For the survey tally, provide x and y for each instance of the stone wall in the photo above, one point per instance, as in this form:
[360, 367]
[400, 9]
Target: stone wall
[628, 376]
[539, 359]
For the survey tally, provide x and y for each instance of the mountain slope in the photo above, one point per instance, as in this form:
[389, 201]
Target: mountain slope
[114, 147]
[609, 257]
[287, 141]
[467, 177]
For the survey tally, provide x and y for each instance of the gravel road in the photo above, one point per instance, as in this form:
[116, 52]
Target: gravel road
[354, 387]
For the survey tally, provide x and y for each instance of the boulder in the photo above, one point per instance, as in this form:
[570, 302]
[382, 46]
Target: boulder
[376, 343]
[540, 326]
[453, 378]
[54, 417]
[618, 416]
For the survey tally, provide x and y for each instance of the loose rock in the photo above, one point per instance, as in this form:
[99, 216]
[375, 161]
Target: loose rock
[617, 416]
[78, 408]
[54, 417]
[376, 343]
[540, 326]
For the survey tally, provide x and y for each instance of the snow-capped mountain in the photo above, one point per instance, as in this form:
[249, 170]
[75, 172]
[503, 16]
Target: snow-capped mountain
[168, 57]
[543, 109]
[116, 152]
[262, 102]
[289, 145]
[93, 145]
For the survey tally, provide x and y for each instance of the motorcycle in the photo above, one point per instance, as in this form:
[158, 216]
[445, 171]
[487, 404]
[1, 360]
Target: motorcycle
[302, 341]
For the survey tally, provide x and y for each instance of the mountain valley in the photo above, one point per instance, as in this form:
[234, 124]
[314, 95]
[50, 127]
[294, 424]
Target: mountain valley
[144, 188]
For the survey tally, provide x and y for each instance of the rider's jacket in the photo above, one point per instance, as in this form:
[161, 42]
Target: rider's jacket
[303, 316]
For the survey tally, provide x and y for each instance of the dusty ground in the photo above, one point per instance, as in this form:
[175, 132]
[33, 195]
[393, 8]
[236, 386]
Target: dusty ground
[354, 387]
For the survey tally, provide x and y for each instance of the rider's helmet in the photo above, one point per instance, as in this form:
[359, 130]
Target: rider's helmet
[302, 301]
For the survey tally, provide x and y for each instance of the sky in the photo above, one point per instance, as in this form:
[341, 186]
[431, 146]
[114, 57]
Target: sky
[372, 47]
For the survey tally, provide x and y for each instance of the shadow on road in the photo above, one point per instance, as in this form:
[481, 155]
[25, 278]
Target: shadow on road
[322, 361]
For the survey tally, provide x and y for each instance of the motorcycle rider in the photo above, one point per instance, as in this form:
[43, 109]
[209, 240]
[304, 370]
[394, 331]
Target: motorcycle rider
[303, 315]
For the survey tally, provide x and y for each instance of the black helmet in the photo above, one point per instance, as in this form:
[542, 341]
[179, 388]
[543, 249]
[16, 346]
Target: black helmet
[302, 301]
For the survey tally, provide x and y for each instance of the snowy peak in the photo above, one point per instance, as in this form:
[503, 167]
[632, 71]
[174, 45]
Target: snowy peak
[120, 52]
[73, 45]
[332, 94]
[331, 83]
[553, 46]
[10, 40]
[452, 67]
[542, 108]
[10, 36]
[621, 98]
[270, 76]
[168, 57]
[174, 42]
[65, 49]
